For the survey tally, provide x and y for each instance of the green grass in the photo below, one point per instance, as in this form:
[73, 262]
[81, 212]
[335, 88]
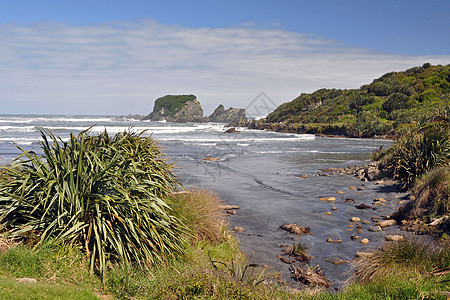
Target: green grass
[11, 289]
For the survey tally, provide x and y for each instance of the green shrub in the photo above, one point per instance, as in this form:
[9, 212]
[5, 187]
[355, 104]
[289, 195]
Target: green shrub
[104, 193]
[418, 151]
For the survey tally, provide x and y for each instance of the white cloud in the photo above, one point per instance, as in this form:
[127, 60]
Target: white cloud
[121, 67]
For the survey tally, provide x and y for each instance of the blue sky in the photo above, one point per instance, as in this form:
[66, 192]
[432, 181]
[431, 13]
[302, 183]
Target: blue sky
[117, 57]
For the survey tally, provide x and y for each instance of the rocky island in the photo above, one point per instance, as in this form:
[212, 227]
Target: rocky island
[186, 108]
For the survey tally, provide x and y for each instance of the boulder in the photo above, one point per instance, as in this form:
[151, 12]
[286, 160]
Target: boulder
[231, 130]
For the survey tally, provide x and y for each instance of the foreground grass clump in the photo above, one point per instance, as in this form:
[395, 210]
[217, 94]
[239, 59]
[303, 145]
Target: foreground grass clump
[201, 211]
[104, 193]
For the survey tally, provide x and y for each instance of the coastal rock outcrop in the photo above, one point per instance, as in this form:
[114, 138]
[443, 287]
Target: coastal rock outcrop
[177, 108]
[220, 115]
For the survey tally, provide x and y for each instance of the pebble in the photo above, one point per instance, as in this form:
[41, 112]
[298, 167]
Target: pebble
[365, 222]
[334, 208]
[328, 213]
[394, 237]
[355, 219]
[339, 192]
[364, 241]
[386, 223]
[363, 206]
[304, 176]
[356, 237]
[328, 199]
[334, 241]
[359, 231]
[353, 188]
[375, 228]
[401, 202]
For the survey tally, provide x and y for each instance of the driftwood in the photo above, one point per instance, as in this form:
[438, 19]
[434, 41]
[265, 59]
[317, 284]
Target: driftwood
[310, 277]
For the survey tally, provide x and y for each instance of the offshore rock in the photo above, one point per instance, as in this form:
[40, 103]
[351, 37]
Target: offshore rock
[220, 115]
[177, 108]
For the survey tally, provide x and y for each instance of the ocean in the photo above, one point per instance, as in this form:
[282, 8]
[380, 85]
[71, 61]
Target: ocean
[260, 171]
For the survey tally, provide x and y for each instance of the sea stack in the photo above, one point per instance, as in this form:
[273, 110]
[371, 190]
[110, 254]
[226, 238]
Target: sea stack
[177, 108]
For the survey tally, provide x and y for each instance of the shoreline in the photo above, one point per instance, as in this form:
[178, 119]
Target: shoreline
[333, 258]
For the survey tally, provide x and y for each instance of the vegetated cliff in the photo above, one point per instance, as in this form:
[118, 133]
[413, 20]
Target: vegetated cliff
[388, 105]
[177, 108]
[220, 115]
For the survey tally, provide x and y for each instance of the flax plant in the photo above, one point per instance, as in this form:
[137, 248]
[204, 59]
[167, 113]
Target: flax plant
[104, 193]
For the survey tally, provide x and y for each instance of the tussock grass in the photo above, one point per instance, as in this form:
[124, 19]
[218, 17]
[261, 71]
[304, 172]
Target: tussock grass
[200, 211]
[432, 193]
[412, 256]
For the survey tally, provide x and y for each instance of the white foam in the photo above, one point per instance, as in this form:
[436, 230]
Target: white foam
[17, 128]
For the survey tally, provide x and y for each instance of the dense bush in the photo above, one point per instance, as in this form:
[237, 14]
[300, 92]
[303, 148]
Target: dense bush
[418, 151]
[104, 193]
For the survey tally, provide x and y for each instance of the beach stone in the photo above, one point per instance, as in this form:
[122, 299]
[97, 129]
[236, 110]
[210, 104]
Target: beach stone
[364, 241]
[352, 188]
[328, 199]
[334, 208]
[401, 202]
[394, 237]
[328, 213]
[385, 223]
[355, 219]
[359, 231]
[380, 200]
[363, 254]
[211, 159]
[363, 206]
[375, 228]
[294, 228]
[349, 200]
[338, 241]
[365, 222]
[375, 218]
[339, 192]
[239, 229]
[350, 225]
[356, 237]
[304, 176]
[27, 280]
